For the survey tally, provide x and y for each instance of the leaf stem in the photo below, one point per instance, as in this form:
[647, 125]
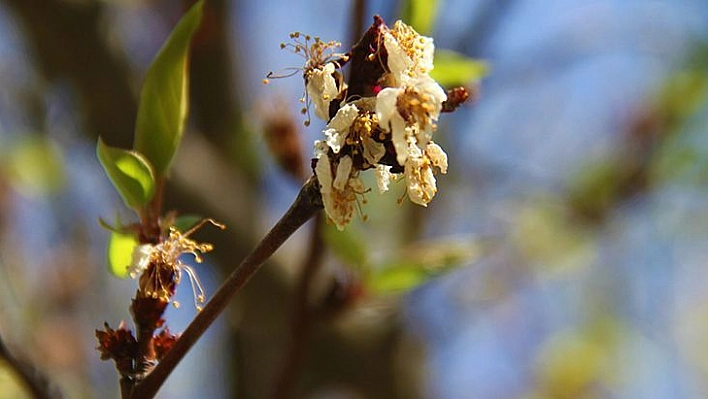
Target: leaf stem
[307, 204]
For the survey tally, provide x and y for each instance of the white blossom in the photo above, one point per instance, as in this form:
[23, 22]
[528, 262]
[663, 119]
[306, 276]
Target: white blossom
[140, 259]
[422, 99]
[437, 156]
[338, 192]
[338, 128]
[383, 177]
[321, 89]
[373, 150]
[391, 120]
[398, 61]
[321, 148]
[420, 180]
[409, 53]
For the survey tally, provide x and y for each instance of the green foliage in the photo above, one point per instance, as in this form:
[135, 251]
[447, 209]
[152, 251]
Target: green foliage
[120, 251]
[347, 245]
[34, 166]
[420, 14]
[454, 69]
[130, 173]
[186, 222]
[420, 264]
[164, 101]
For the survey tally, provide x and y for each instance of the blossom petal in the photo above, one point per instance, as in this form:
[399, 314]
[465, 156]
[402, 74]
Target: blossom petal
[437, 156]
[322, 89]
[398, 60]
[324, 175]
[343, 172]
[383, 177]
[338, 128]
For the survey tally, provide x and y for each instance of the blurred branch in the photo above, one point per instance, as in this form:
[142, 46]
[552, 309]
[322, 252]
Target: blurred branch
[307, 203]
[36, 382]
[67, 40]
[302, 316]
[485, 23]
[215, 101]
[356, 24]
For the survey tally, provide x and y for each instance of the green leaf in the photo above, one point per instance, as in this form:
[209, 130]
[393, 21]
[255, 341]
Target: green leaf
[420, 14]
[398, 277]
[120, 252]
[164, 100]
[422, 262]
[34, 165]
[186, 222]
[346, 244]
[455, 69]
[130, 173]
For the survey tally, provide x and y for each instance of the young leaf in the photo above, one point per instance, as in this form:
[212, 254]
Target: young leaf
[130, 173]
[164, 100]
[420, 14]
[120, 252]
[454, 69]
[347, 245]
[421, 263]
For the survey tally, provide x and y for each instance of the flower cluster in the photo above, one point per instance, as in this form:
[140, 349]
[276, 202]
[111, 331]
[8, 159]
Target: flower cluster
[382, 118]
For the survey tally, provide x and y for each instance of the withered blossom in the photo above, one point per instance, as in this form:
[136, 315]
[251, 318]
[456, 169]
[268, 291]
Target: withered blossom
[383, 118]
[160, 269]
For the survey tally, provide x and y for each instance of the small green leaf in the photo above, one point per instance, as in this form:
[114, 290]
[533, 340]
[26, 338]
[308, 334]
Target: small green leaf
[420, 14]
[120, 252]
[347, 245]
[130, 173]
[397, 278]
[455, 69]
[186, 222]
[420, 263]
[34, 165]
[164, 101]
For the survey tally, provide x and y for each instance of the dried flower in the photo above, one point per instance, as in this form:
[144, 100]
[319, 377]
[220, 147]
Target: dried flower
[321, 89]
[119, 345]
[385, 118]
[161, 269]
[339, 191]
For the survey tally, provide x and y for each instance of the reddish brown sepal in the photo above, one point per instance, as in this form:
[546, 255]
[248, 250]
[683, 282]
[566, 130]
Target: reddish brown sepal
[455, 97]
[367, 59]
[119, 345]
[147, 312]
[163, 342]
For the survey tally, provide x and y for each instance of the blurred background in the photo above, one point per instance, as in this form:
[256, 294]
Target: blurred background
[564, 255]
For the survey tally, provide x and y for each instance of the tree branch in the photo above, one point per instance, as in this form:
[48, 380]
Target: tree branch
[36, 382]
[305, 206]
[302, 317]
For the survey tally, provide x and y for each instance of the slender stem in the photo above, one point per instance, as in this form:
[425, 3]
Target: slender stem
[307, 203]
[37, 383]
[302, 319]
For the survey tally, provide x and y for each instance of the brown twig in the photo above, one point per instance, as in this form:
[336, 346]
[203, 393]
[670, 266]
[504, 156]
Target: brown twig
[356, 24]
[36, 382]
[305, 206]
[302, 317]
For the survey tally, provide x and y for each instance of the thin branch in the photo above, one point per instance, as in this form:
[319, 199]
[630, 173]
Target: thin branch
[36, 382]
[356, 22]
[302, 318]
[307, 204]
